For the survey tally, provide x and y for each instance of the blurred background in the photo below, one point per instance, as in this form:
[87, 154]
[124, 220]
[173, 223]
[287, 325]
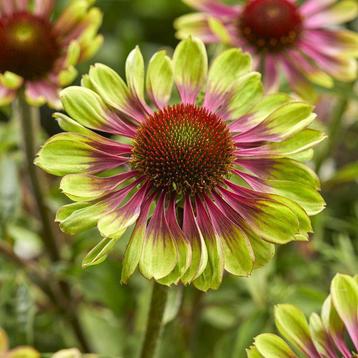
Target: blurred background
[216, 324]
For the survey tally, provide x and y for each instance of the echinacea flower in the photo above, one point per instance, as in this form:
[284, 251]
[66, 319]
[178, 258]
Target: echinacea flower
[207, 182]
[38, 54]
[302, 39]
[332, 334]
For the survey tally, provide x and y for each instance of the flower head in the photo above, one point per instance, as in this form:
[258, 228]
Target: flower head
[39, 54]
[334, 333]
[302, 38]
[207, 182]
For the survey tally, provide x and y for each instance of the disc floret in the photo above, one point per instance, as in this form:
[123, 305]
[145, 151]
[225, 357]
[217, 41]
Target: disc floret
[270, 24]
[184, 148]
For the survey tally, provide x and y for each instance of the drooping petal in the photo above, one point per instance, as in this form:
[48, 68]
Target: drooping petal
[114, 223]
[182, 244]
[212, 275]
[192, 232]
[268, 218]
[238, 254]
[263, 251]
[190, 68]
[134, 248]
[159, 255]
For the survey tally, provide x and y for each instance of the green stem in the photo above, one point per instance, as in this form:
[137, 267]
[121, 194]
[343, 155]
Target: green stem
[155, 320]
[334, 131]
[27, 116]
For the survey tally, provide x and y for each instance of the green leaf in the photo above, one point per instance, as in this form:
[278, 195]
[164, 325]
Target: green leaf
[99, 253]
[344, 175]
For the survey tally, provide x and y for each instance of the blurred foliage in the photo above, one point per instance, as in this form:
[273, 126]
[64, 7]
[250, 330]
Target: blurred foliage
[219, 324]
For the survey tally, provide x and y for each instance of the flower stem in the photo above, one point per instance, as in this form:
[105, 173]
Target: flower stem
[27, 116]
[155, 320]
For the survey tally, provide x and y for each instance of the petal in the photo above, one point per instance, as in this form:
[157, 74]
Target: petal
[113, 90]
[190, 68]
[160, 79]
[44, 7]
[160, 255]
[6, 95]
[114, 223]
[321, 339]
[263, 251]
[40, 92]
[272, 346]
[99, 253]
[334, 42]
[134, 248]
[344, 292]
[271, 74]
[135, 75]
[215, 8]
[238, 254]
[338, 66]
[197, 25]
[192, 232]
[182, 244]
[70, 153]
[310, 7]
[88, 109]
[309, 69]
[78, 217]
[267, 218]
[246, 93]
[212, 275]
[334, 326]
[342, 11]
[85, 187]
[292, 325]
[283, 123]
[262, 110]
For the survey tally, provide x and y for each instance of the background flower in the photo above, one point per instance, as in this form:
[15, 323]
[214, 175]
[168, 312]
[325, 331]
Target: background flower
[303, 40]
[39, 54]
[210, 181]
[331, 334]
